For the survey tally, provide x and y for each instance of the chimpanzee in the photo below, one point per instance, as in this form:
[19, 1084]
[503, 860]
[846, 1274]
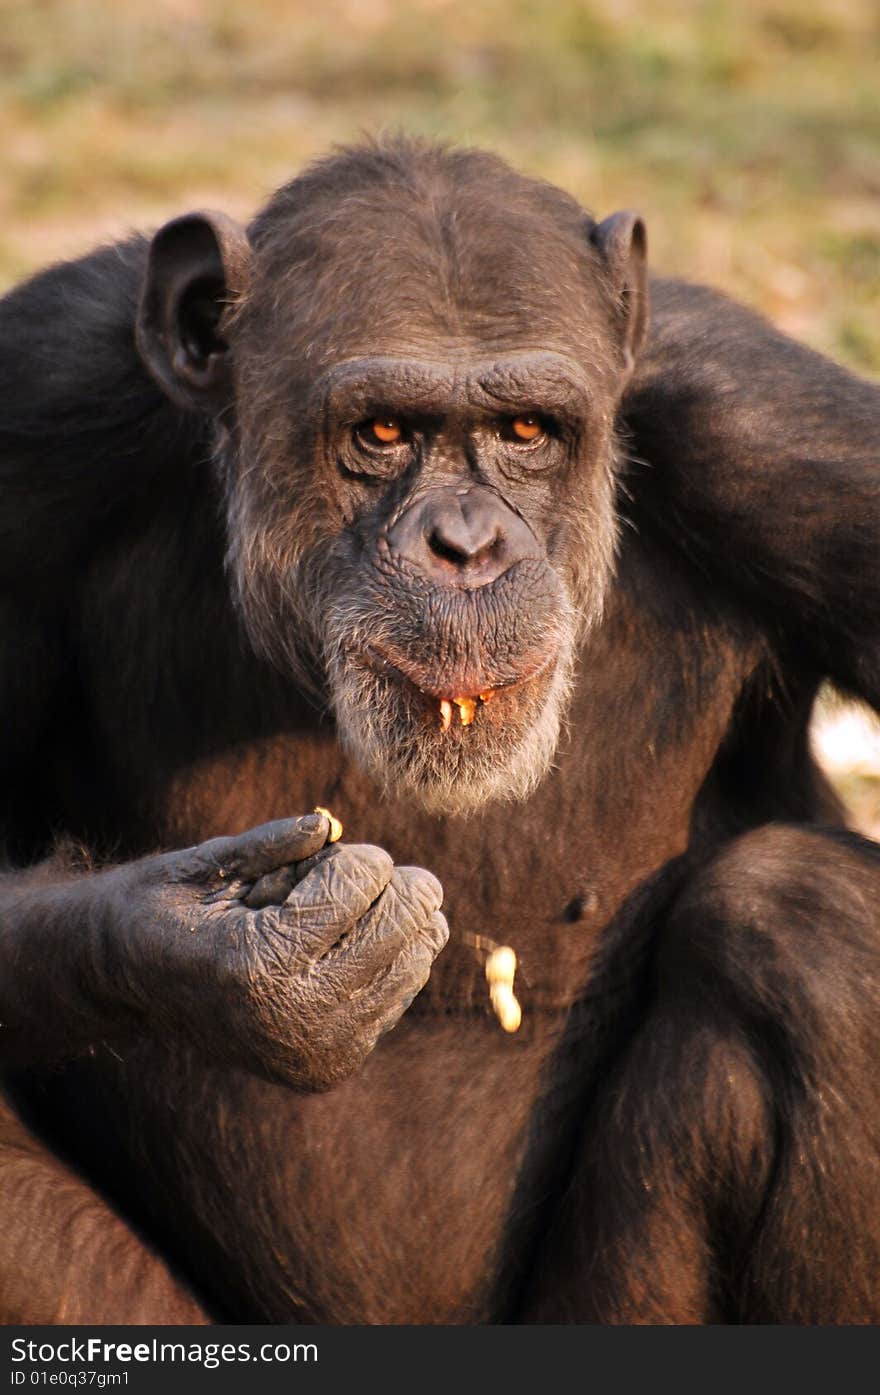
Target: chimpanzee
[394, 505]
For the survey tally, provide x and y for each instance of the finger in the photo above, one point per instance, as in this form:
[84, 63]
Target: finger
[335, 894]
[423, 886]
[390, 997]
[436, 933]
[303, 868]
[275, 887]
[399, 927]
[272, 889]
[259, 851]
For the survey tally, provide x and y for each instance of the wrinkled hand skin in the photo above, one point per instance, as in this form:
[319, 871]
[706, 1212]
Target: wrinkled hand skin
[277, 954]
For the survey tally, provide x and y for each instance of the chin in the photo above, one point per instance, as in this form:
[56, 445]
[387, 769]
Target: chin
[451, 755]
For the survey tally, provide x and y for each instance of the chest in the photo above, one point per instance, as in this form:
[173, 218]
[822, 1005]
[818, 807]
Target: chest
[395, 1197]
[388, 1200]
[199, 738]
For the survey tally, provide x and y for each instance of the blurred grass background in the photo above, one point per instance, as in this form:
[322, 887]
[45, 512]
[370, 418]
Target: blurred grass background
[748, 134]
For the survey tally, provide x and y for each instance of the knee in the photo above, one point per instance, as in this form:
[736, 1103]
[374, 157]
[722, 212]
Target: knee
[783, 915]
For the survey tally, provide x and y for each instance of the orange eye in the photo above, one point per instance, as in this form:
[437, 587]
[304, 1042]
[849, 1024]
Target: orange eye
[386, 430]
[527, 427]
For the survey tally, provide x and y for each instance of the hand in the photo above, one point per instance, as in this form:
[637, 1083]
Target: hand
[274, 952]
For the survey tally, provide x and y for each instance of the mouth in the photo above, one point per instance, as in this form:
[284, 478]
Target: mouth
[466, 694]
[451, 727]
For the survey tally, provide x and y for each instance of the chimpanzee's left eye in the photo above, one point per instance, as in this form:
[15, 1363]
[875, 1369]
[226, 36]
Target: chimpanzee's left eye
[526, 429]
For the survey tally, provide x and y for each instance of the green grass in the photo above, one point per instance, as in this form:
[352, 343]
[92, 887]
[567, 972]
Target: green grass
[748, 134]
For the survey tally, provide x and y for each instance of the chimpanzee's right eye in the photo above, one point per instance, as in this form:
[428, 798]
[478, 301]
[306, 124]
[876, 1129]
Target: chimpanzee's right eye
[379, 432]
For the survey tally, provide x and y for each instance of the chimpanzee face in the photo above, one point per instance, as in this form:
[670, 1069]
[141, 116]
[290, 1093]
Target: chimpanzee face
[419, 461]
[447, 633]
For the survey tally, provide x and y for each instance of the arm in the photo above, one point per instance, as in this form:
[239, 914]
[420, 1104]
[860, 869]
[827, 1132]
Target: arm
[252, 949]
[294, 978]
[239, 946]
[84, 431]
[759, 461]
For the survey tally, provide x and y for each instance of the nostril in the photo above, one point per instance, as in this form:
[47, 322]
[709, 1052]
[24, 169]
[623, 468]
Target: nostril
[464, 538]
[441, 548]
[447, 548]
[463, 546]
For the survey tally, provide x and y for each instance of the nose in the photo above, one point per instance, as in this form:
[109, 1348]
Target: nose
[464, 531]
[465, 536]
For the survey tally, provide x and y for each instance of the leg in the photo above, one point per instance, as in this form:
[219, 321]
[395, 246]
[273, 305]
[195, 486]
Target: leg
[67, 1258]
[730, 1169]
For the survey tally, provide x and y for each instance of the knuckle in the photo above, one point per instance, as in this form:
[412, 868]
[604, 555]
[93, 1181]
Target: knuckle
[416, 972]
[421, 886]
[357, 873]
[366, 857]
[206, 859]
[438, 932]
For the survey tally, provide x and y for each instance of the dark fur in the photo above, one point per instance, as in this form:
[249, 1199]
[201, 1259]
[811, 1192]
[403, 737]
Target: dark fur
[687, 1126]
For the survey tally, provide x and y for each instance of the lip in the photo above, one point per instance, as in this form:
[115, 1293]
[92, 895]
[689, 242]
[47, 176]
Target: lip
[396, 668]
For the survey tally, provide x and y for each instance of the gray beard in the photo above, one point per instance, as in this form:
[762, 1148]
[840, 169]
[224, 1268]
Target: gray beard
[388, 733]
[280, 589]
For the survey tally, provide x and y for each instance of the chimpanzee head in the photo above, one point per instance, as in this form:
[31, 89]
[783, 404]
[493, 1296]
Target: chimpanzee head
[413, 358]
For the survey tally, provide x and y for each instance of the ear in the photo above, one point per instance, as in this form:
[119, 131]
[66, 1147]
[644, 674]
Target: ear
[623, 243]
[196, 267]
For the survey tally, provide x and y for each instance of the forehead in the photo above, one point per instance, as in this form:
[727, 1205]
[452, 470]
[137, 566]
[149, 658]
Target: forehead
[392, 271]
[452, 380]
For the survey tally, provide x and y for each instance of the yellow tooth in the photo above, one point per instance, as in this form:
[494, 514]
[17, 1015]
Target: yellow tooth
[466, 707]
[445, 715]
[488, 695]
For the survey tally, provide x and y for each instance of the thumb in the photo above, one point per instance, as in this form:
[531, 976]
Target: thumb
[264, 849]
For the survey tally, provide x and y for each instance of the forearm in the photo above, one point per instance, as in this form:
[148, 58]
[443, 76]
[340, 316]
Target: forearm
[62, 968]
